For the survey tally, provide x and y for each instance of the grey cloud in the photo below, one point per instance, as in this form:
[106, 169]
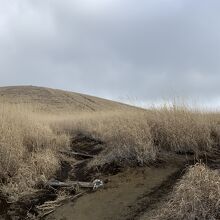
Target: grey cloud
[144, 49]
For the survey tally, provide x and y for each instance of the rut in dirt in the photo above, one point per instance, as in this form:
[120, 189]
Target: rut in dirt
[127, 194]
[211, 160]
[85, 147]
[149, 201]
[130, 194]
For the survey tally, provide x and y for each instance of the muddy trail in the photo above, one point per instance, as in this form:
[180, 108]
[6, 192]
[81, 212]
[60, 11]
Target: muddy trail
[126, 195]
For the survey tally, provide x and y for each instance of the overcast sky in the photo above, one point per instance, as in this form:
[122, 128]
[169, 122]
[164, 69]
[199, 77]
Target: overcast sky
[146, 50]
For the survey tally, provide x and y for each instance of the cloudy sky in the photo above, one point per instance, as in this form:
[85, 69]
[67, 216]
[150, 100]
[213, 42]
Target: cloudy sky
[145, 50]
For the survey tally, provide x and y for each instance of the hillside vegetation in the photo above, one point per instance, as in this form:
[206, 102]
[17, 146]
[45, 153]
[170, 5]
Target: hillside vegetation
[54, 100]
[32, 134]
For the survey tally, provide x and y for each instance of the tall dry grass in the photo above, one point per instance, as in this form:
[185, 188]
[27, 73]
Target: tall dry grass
[137, 137]
[196, 196]
[126, 135]
[28, 150]
[182, 130]
[30, 140]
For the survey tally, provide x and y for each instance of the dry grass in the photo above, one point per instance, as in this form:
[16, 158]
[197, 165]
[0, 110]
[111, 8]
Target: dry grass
[26, 145]
[135, 137]
[31, 137]
[56, 101]
[182, 130]
[126, 134]
[29, 140]
[196, 196]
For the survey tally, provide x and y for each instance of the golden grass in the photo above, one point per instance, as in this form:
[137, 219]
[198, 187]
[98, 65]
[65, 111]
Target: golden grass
[181, 130]
[28, 149]
[137, 136]
[126, 134]
[196, 196]
[30, 139]
[56, 101]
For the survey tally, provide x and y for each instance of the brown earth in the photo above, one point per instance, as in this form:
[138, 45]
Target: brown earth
[125, 196]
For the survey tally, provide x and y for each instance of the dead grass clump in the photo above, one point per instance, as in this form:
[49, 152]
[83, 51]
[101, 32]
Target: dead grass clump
[126, 135]
[11, 144]
[196, 196]
[44, 163]
[28, 151]
[135, 136]
[181, 130]
[129, 141]
[38, 168]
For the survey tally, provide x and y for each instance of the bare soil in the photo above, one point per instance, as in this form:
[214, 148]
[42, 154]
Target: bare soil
[125, 196]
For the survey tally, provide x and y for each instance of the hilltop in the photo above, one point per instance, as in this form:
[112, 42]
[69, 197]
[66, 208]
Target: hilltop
[53, 99]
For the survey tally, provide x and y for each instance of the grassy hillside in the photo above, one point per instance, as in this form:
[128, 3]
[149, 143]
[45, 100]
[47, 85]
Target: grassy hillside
[55, 100]
[31, 138]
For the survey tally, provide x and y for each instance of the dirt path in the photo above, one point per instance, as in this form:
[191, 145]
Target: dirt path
[123, 197]
[126, 195]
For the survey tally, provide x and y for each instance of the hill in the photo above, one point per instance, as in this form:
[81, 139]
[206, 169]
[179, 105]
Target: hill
[141, 156]
[54, 99]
